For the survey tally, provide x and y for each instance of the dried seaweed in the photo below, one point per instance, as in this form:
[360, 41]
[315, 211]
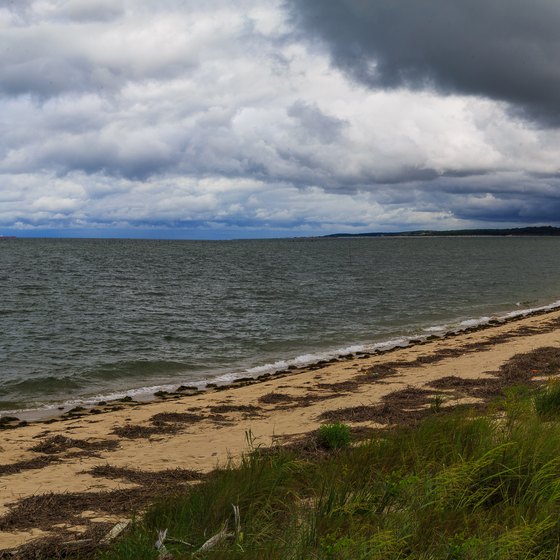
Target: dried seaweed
[523, 367]
[176, 417]
[146, 478]
[31, 464]
[277, 398]
[59, 444]
[135, 431]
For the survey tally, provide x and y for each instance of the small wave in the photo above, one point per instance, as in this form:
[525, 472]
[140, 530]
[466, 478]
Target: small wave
[41, 385]
[312, 358]
[462, 325]
[530, 310]
[468, 323]
[135, 368]
[437, 328]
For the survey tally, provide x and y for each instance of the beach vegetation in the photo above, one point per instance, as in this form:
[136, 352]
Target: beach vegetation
[334, 436]
[460, 485]
[436, 404]
[547, 400]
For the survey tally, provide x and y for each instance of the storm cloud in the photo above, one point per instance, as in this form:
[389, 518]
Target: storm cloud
[506, 50]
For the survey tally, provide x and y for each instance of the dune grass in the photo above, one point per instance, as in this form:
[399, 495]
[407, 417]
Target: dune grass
[460, 485]
[547, 401]
[334, 436]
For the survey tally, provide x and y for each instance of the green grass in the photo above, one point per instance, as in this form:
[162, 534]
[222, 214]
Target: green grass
[458, 486]
[547, 401]
[334, 436]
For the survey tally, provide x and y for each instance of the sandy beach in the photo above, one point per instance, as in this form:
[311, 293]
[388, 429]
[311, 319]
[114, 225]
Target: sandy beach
[75, 476]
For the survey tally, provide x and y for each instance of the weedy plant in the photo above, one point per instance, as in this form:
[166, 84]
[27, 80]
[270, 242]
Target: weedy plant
[547, 400]
[334, 436]
[436, 403]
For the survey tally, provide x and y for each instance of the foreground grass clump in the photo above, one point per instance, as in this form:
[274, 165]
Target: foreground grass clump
[334, 436]
[457, 486]
[547, 401]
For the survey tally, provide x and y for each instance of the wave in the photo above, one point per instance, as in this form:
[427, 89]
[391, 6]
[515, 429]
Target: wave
[310, 358]
[135, 368]
[41, 385]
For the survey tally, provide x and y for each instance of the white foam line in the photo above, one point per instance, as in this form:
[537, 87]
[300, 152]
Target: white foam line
[304, 360]
[485, 320]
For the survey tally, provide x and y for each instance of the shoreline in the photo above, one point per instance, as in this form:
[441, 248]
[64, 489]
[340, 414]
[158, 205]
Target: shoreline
[149, 394]
[144, 395]
[62, 457]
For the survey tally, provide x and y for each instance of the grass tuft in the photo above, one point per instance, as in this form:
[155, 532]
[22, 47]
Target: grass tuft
[334, 436]
[547, 401]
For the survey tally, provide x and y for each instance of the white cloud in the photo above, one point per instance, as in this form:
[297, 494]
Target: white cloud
[163, 114]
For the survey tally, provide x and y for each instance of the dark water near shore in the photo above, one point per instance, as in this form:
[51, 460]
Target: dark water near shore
[83, 318]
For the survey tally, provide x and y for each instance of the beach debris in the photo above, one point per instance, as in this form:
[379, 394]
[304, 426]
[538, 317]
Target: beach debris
[59, 443]
[115, 532]
[161, 539]
[80, 542]
[224, 533]
[179, 541]
[163, 553]
[10, 422]
[237, 519]
[187, 388]
[215, 540]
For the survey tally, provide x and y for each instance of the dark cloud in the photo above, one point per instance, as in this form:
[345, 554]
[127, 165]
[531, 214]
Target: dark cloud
[486, 199]
[502, 49]
[44, 78]
[522, 210]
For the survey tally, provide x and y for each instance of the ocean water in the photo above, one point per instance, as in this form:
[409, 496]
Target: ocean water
[82, 320]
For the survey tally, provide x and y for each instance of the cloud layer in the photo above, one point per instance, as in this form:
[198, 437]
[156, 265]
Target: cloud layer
[260, 116]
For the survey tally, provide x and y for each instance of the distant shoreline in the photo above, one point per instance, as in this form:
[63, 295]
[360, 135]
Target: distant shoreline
[541, 231]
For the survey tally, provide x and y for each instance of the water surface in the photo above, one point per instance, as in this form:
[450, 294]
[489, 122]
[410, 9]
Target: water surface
[84, 318]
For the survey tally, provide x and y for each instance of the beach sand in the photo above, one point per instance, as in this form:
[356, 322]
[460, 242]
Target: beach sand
[75, 477]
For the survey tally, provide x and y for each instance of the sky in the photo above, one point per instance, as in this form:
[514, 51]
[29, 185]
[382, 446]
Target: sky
[277, 118]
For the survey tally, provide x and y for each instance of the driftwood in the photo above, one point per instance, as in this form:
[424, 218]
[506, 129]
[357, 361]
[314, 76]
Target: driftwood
[237, 520]
[216, 539]
[163, 553]
[213, 541]
[115, 532]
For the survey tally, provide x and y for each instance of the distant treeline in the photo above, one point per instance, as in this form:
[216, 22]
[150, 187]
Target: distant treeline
[547, 231]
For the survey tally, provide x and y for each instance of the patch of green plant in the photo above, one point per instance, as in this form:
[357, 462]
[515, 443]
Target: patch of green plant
[547, 401]
[459, 486]
[436, 403]
[334, 436]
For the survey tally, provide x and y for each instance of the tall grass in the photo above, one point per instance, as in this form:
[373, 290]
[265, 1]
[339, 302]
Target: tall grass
[547, 401]
[458, 486]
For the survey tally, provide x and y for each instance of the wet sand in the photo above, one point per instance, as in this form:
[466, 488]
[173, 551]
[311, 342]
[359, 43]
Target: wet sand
[75, 476]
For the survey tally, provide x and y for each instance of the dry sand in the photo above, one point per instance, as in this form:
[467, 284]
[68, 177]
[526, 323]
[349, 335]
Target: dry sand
[52, 489]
